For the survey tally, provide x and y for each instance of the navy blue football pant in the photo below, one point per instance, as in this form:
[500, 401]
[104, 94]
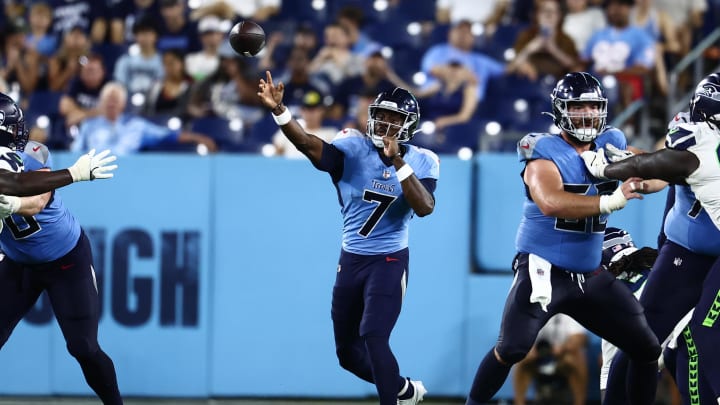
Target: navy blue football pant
[683, 364]
[366, 302]
[596, 300]
[70, 285]
[673, 288]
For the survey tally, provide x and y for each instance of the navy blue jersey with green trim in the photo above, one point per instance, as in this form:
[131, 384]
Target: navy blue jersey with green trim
[581, 239]
[375, 212]
[47, 235]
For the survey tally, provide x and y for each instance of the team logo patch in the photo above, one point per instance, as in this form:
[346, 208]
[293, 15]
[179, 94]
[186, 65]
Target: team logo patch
[386, 174]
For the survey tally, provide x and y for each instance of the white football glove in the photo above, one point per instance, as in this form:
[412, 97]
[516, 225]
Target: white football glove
[9, 205]
[595, 162]
[91, 166]
[615, 155]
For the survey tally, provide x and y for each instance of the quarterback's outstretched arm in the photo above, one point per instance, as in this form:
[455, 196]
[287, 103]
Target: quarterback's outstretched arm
[88, 167]
[271, 96]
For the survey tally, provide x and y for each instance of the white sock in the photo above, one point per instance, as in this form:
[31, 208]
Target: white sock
[407, 383]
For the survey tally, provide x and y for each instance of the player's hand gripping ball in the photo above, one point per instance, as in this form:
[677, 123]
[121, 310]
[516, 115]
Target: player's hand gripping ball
[247, 38]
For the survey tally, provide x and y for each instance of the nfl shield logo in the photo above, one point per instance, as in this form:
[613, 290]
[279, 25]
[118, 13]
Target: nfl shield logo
[386, 174]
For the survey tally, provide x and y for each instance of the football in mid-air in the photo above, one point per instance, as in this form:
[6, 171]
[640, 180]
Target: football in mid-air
[247, 38]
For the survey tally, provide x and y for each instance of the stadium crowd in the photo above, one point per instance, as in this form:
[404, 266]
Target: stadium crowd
[478, 68]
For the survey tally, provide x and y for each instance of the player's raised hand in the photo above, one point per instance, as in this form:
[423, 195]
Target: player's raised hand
[391, 147]
[615, 154]
[270, 95]
[596, 162]
[91, 166]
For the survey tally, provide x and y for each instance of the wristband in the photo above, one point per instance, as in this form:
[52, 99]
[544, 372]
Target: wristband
[612, 202]
[283, 118]
[404, 172]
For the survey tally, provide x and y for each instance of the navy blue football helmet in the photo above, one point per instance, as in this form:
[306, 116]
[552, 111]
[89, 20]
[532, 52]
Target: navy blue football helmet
[397, 100]
[579, 87]
[705, 104]
[12, 124]
[616, 244]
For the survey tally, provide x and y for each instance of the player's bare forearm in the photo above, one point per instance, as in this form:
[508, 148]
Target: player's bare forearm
[666, 164]
[419, 198]
[310, 145]
[33, 183]
[421, 201]
[30, 206]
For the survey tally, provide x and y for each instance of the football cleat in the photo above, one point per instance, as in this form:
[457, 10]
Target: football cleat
[418, 395]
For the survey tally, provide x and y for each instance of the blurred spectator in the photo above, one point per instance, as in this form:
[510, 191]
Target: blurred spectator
[213, 31]
[311, 119]
[298, 80]
[459, 48]
[39, 37]
[86, 15]
[256, 10]
[277, 52]
[124, 133]
[582, 21]
[377, 75]
[81, 100]
[20, 65]
[544, 48]
[687, 16]
[452, 100]
[171, 95]
[351, 18]
[124, 13]
[65, 64]
[142, 65]
[488, 12]
[623, 50]
[230, 92]
[660, 27]
[358, 115]
[176, 30]
[13, 11]
[557, 360]
[334, 61]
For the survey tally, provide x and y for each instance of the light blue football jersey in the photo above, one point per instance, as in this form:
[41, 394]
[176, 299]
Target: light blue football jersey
[375, 212]
[46, 236]
[573, 244]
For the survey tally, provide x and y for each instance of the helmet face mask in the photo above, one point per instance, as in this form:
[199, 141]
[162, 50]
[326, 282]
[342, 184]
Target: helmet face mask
[705, 104]
[12, 124]
[394, 113]
[573, 91]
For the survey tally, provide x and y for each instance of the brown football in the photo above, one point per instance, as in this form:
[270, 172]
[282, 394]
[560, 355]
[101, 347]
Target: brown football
[247, 38]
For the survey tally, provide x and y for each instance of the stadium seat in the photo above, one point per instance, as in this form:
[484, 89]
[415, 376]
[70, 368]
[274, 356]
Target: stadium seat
[503, 39]
[44, 103]
[109, 53]
[227, 137]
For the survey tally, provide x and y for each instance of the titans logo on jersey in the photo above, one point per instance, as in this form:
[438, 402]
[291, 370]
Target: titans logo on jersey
[46, 236]
[703, 140]
[375, 212]
[541, 234]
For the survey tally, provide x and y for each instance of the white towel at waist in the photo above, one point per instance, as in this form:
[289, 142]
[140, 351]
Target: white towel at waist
[539, 270]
